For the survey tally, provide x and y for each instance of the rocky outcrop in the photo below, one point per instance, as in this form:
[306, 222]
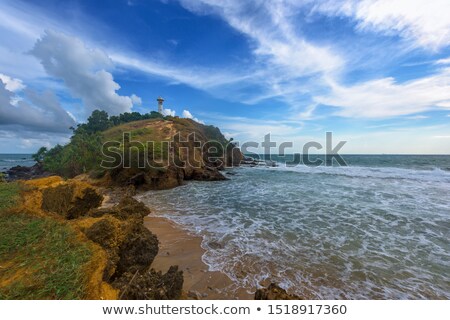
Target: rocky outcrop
[71, 200]
[119, 230]
[274, 292]
[124, 247]
[26, 173]
[150, 285]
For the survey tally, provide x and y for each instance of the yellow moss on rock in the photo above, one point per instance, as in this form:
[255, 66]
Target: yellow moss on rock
[81, 194]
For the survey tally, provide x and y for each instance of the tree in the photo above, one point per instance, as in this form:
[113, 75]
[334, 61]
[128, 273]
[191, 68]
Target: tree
[40, 154]
[97, 121]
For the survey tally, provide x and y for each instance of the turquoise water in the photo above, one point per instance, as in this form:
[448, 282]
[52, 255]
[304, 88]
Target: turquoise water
[8, 161]
[379, 228]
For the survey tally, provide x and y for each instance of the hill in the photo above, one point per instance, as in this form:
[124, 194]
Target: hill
[152, 153]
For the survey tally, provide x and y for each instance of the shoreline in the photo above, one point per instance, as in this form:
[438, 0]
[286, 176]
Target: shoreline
[178, 247]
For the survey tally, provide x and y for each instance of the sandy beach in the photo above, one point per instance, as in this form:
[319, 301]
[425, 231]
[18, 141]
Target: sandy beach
[178, 247]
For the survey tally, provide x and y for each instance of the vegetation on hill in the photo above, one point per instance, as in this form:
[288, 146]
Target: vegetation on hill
[83, 153]
[9, 194]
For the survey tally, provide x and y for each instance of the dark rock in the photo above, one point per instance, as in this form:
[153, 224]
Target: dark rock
[130, 207]
[274, 292]
[137, 180]
[26, 173]
[208, 174]
[106, 234]
[150, 285]
[138, 250]
[215, 245]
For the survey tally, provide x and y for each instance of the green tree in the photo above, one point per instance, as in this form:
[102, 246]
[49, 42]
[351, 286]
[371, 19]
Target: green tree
[40, 154]
[97, 121]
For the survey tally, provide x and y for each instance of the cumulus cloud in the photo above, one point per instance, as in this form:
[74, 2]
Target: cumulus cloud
[11, 84]
[387, 98]
[168, 112]
[36, 112]
[425, 23]
[136, 100]
[187, 114]
[83, 71]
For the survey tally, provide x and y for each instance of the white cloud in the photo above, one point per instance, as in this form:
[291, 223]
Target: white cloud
[425, 23]
[136, 100]
[83, 72]
[11, 84]
[417, 117]
[188, 114]
[269, 24]
[168, 112]
[385, 98]
[37, 112]
[443, 61]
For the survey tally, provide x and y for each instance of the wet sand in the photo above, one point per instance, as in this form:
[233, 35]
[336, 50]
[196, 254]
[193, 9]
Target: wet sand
[178, 247]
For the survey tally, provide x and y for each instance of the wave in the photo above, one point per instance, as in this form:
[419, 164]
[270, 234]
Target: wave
[432, 174]
[16, 160]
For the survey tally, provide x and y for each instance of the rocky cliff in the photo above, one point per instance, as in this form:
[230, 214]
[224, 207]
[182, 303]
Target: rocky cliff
[162, 153]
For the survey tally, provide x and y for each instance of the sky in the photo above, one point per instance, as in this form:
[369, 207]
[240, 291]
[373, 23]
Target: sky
[376, 73]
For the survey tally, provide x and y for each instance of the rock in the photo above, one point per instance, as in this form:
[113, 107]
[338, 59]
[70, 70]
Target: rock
[137, 180]
[70, 200]
[137, 251]
[26, 173]
[150, 285]
[129, 245]
[274, 292]
[107, 234]
[193, 295]
[215, 245]
[130, 207]
[127, 208]
[208, 174]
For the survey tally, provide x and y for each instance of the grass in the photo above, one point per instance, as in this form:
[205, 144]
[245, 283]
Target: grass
[41, 258]
[9, 194]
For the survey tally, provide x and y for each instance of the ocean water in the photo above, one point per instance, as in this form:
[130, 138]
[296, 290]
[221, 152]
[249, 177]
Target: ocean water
[9, 160]
[379, 228]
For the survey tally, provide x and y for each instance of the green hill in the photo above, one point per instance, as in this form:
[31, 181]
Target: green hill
[148, 151]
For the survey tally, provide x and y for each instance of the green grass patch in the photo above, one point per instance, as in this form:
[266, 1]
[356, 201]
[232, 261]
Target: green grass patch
[41, 258]
[9, 194]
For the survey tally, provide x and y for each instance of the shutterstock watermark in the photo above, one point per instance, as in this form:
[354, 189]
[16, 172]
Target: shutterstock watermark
[190, 151]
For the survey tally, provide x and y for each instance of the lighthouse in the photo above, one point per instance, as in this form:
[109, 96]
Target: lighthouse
[160, 104]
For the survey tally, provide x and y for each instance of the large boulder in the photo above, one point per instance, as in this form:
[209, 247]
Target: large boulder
[150, 285]
[138, 250]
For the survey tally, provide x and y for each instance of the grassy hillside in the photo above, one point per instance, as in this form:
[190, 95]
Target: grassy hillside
[144, 133]
[41, 257]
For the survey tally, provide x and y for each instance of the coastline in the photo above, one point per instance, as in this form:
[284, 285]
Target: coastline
[178, 247]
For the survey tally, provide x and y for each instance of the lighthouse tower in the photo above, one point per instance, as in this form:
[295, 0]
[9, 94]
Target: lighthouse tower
[160, 104]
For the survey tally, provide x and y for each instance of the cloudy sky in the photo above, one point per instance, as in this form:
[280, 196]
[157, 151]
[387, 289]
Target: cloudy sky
[374, 72]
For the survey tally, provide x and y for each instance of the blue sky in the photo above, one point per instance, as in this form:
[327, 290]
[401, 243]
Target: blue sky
[374, 72]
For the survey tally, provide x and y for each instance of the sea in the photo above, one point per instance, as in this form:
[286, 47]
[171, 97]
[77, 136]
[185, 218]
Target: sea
[8, 161]
[378, 228]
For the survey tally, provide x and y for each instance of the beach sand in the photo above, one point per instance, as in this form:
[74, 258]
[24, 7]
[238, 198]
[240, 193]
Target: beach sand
[178, 247]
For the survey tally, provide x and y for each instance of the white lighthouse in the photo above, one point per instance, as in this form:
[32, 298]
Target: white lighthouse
[160, 104]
